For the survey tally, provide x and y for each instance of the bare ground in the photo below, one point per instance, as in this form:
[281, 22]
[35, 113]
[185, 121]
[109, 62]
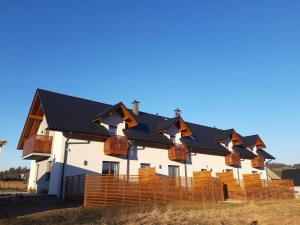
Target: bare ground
[52, 211]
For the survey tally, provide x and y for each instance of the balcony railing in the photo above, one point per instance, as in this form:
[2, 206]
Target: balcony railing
[37, 145]
[233, 159]
[116, 145]
[258, 162]
[178, 152]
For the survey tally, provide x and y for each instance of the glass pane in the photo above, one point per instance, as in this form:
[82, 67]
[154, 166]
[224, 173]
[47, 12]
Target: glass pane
[170, 171]
[176, 171]
[105, 168]
[145, 165]
[114, 168]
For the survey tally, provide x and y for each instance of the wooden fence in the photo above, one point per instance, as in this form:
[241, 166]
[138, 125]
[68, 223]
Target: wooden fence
[147, 188]
[16, 185]
[110, 190]
[253, 188]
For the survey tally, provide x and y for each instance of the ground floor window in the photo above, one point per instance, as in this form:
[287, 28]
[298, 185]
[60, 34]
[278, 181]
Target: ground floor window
[145, 165]
[173, 171]
[110, 167]
[228, 170]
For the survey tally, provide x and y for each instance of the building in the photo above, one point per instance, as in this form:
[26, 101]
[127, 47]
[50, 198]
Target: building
[65, 135]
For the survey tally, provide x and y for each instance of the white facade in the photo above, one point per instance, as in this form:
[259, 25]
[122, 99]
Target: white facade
[83, 157]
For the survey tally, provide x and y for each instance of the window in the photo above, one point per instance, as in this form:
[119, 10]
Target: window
[145, 165]
[203, 169]
[173, 171]
[254, 172]
[85, 162]
[229, 170]
[172, 138]
[112, 130]
[110, 167]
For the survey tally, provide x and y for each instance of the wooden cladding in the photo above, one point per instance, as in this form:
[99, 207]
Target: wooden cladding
[235, 139]
[258, 162]
[127, 117]
[33, 121]
[116, 145]
[37, 144]
[233, 159]
[185, 131]
[178, 152]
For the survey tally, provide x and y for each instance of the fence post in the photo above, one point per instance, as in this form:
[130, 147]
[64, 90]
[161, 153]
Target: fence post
[105, 199]
[85, 191]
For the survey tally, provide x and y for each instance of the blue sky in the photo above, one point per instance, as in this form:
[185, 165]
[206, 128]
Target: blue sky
[224, 63]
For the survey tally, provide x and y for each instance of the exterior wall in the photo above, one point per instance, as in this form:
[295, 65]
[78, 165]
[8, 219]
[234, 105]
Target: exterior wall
[92, 152]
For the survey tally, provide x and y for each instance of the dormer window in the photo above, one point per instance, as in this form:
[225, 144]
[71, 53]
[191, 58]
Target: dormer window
[112, 130]
[173, 138]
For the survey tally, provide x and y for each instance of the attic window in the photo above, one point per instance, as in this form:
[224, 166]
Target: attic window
[112, 130]
[172, 138]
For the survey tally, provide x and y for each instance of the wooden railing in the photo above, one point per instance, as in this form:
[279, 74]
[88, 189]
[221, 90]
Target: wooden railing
[233, 159]
[38, 144]
[116, 145]
[178, 152]
[258, 162]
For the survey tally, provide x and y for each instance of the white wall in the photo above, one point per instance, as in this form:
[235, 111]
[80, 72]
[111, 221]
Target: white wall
[93, 153]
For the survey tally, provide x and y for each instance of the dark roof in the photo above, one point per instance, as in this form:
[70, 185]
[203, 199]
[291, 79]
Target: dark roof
[106, 111]
[250, 141]
[293, 174]
[167, 123]
[244, 152]
[71, 114]
[265, 154]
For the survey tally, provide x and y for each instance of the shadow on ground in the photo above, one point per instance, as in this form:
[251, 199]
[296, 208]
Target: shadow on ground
[22, 206]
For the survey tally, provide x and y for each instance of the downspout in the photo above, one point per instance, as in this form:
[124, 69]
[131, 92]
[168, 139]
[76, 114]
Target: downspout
[185, 174]
[131, 143]
[266, 168]
[63, 168]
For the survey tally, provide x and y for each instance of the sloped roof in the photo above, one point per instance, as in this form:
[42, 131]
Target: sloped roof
[71, 114]
[265, 154]
[244, 152]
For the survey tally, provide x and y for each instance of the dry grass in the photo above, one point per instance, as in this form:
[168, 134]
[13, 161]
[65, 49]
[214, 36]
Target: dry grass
[267, 212]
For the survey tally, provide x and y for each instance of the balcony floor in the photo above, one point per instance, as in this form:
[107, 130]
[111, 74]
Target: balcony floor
[36, 156]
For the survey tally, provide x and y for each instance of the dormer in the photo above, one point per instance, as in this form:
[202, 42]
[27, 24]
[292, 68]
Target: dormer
[229, 138]
[174, 129]
[115, 119]
[254, 142]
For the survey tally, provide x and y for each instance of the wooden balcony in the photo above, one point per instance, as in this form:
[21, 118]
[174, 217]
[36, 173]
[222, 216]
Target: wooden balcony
[233, 159]
[178, 152]
[37, 147]
[258, 162]
[116, 145]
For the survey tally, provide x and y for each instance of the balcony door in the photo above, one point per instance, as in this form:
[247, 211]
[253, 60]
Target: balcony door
[110, 168]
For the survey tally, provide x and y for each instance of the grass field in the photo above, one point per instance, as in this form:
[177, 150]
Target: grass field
[52, 211]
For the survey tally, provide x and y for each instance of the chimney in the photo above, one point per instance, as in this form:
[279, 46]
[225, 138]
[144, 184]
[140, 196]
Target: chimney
[135, 107]
[177, 112]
